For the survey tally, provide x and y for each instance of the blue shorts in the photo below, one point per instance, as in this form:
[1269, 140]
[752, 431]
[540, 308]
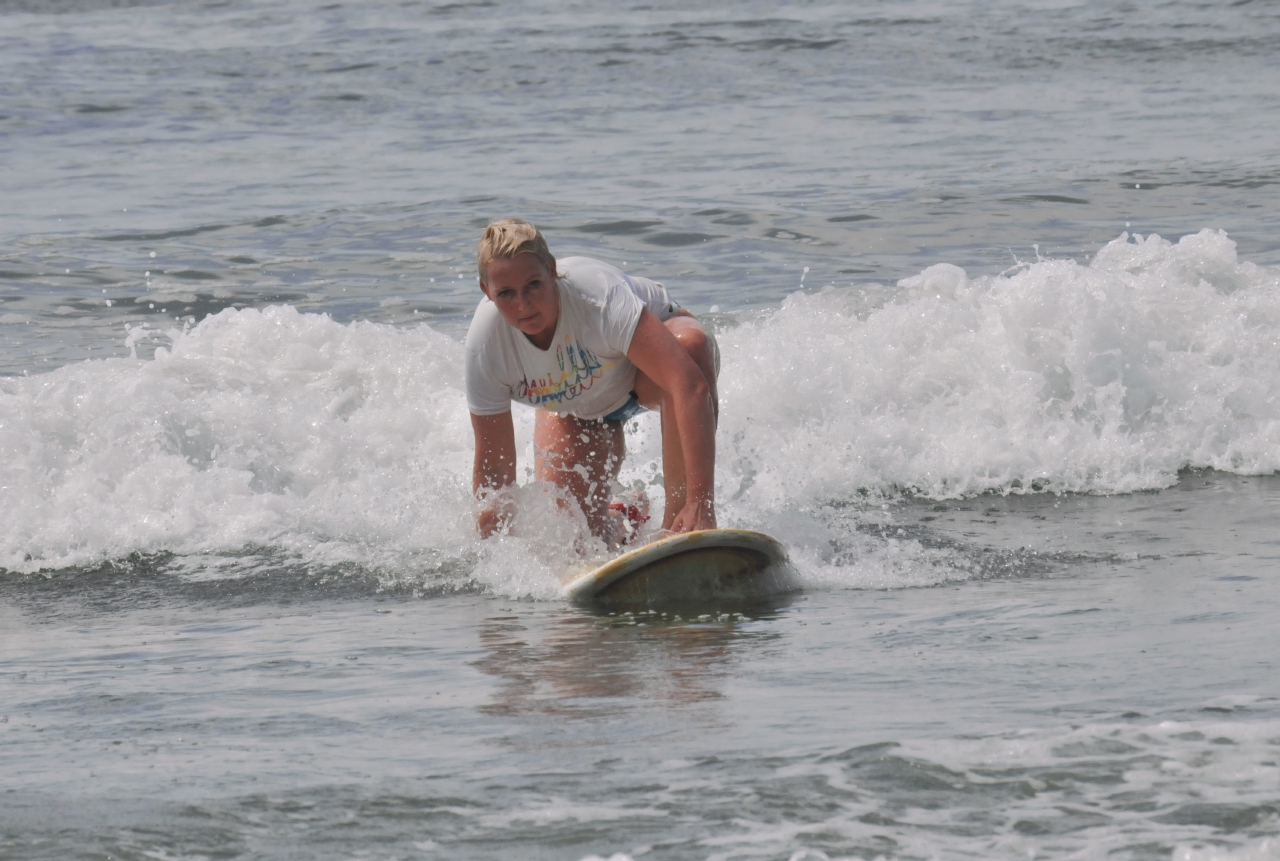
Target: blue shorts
[627, 411]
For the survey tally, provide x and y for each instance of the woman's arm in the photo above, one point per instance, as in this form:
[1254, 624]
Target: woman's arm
[494, 468]
[686, 395]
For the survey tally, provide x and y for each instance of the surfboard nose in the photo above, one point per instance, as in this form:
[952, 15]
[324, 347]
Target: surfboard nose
[722, 568]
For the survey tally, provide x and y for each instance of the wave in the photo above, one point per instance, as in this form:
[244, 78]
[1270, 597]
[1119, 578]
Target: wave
[1105, 378]
[342, 444]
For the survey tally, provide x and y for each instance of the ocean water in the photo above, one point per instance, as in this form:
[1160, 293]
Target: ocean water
[997, 289]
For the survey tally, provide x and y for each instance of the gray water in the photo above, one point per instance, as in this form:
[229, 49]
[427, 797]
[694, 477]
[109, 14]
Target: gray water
[242, 612]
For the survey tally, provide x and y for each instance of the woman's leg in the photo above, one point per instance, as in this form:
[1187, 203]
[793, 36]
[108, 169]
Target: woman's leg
[583, 458]
[698, 344]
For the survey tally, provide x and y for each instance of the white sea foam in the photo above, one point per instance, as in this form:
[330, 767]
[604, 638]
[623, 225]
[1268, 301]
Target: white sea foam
[254, 429]
[291, 433]
[1104, 378]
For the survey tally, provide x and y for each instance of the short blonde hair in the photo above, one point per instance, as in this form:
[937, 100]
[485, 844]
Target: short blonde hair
[508, 238]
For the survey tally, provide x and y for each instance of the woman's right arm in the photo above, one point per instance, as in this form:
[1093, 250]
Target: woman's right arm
[494, 469]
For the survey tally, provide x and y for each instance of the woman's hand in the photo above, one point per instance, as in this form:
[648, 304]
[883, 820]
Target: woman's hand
[495, 514]
[696, 515]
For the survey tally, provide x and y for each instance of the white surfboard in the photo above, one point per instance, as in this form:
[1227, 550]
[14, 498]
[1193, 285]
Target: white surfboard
[713, 566]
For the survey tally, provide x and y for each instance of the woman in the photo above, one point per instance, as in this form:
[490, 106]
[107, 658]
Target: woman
[589, 347]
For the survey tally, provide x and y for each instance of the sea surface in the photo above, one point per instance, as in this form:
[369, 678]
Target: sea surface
[997, 289]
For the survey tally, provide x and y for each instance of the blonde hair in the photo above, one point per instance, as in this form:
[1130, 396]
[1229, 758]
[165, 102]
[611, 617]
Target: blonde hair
[509, 238]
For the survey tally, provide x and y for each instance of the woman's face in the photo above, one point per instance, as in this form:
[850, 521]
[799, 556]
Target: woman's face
[525, 292]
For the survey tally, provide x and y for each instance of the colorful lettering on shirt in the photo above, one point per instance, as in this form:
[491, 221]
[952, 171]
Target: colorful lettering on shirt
[579, 369]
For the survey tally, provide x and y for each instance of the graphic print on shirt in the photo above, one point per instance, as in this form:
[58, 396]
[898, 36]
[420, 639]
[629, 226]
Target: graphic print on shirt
[579, 369]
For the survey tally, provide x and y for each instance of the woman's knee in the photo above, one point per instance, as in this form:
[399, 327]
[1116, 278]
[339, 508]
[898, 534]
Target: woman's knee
[693, 340]
[701, 346]
[692, 337]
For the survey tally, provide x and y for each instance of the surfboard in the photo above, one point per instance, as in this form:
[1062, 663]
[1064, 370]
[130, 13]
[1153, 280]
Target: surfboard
[710, 567]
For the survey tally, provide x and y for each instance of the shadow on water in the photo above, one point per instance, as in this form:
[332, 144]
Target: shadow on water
[587, 665]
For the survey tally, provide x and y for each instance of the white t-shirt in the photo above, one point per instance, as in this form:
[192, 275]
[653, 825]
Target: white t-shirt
[585, 372]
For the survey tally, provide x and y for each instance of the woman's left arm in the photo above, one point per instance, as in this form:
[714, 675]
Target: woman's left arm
[657, 353]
